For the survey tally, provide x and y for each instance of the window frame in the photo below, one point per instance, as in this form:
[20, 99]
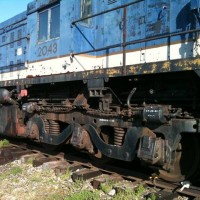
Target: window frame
[51, 20]
[87, 22]
[49, 17]
[40, 40]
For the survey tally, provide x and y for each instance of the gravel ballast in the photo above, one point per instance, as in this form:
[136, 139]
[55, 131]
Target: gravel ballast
[22, 181]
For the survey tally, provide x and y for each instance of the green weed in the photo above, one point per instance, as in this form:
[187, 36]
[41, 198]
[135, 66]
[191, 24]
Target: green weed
[84, 195]
[13, 171]
[35, 178]
[131, 194]
[152, 196]
[66, 175]
[106, 187]
[30, 161]
[4, 143]
[139, 190]
[128, 194]
[79, 183]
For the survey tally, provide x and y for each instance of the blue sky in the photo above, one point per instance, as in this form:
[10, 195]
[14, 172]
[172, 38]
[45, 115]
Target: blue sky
[10, 8]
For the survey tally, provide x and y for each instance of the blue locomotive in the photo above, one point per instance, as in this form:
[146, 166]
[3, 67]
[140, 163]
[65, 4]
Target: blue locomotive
[117, 79]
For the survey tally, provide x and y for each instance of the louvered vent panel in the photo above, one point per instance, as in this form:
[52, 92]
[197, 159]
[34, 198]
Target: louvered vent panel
[111, 1]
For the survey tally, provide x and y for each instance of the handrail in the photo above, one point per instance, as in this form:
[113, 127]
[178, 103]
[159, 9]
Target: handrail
[107, 11]
[140, 41]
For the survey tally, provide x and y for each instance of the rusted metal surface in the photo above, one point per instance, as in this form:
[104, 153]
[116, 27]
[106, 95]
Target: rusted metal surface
[167, 195]
[194, 192]
[10, 121]
[138, 69]
[80, 101]
[174, 188]
[81, 139]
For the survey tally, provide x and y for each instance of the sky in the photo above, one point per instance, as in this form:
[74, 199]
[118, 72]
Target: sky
[10, 8]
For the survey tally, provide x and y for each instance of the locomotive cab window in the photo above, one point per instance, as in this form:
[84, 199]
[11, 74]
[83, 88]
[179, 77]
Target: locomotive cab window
[86, 10]
[49, 24]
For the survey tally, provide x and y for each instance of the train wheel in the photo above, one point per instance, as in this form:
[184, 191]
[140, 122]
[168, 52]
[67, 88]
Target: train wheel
[186, 162]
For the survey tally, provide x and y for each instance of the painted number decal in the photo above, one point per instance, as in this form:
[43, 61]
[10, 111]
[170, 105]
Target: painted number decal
[47, 50]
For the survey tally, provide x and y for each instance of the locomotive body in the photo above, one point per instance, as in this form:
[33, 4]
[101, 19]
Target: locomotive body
[114, 78]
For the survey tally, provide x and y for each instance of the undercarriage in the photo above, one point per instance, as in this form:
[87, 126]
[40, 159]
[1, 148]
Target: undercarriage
[151, 118]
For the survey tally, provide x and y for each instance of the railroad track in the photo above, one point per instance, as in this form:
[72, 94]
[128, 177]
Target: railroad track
[96, 175]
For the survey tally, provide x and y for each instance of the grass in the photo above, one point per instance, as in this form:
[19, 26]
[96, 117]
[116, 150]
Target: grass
[140, 189]
[152, 196]
[79, 183]
[4, 143]
[126, 194]
[80, 193]
[84, 195]
[45, 186]
[12, 171]
[15, 170]
[35, 178]
[106, 187]
[30, 161]
[66, 175]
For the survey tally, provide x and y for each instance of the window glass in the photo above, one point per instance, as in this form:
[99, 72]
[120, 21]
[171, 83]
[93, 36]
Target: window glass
[55, 22]
[19, 36]
[3, 38]
[49, 24]
[86, 10]
[43, 26]
[12, 39]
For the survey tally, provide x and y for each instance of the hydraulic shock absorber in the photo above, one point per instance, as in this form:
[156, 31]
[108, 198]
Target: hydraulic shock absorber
[119, 134]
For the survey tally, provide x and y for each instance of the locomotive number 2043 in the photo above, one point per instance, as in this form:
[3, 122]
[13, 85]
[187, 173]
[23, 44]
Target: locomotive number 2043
[47, 50]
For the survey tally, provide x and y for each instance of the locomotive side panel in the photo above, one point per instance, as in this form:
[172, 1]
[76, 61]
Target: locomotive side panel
[13, 48]
[117, 34]
[44, 34]
[183, 19]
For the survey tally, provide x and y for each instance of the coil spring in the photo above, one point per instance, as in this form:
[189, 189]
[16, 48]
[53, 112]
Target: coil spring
[46, 125]
[118, 136]
[54, 127]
